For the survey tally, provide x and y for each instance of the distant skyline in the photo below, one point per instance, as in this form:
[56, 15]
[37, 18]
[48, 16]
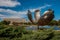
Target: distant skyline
[18, 8]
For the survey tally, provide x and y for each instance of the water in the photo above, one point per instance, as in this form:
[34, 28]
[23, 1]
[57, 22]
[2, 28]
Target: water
[47, 27]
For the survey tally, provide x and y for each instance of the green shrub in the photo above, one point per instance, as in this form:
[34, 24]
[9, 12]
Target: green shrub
[20, 33]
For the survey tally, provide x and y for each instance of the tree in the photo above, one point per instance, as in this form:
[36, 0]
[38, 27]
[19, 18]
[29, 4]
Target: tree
[58, 22]
[53, 22]
[5, 22]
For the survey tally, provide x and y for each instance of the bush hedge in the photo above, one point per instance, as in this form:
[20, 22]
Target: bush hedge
[20, 33]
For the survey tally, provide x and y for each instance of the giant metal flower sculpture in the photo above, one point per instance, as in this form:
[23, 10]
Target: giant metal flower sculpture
[41, 20]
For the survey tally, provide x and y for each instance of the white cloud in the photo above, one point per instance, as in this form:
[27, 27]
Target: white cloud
[12, 13]
[9, 3]
[42, 7]
[19, 14]
[14, 17]
[1, 15]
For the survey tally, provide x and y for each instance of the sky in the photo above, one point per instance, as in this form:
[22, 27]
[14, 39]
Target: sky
[18, 8]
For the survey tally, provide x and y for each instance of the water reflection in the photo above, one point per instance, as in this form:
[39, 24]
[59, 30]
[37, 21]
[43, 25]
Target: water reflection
[46, 27]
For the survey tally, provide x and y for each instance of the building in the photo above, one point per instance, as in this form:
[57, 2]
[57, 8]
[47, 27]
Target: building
[15, 21]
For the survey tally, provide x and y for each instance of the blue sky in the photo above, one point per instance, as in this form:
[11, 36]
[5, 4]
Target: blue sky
[18, 8]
